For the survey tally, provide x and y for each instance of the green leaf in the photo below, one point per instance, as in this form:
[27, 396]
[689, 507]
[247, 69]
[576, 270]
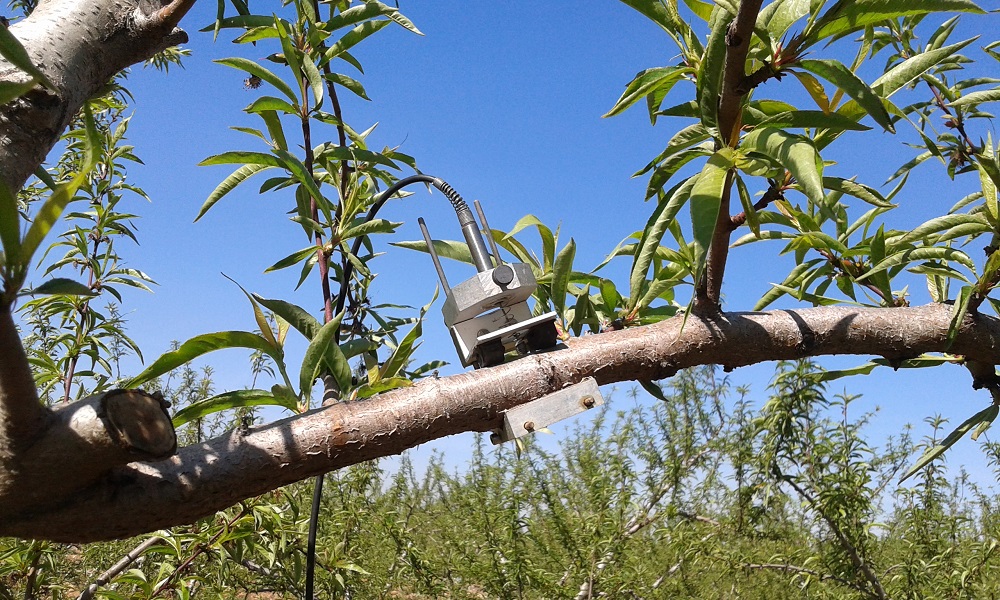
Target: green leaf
[664, 215]
[300, 172]
[271, 103]
[858, 190]
[918, 254]
[382, 385]
[323, 349]
[10, 227]
[905, 72]
[351, 84]
[199, 345]
[302, 321]
[548, 239]
[14, 52]
[10, 90]
[813, 119]
[779, 15]
[243, 157]
[985, 416]
[353, 37]
[842, 77]
[709, 82]
[228, 400]
[656, 11]
[53, 207]
[562, 268]
[659, 79]
[63, 287]
[402, 354]
[229, 184]
[794, 152]
[653, 389]
[292, 259]
[978, 97]
[815, 89]
[706, 199]
[847, 16]
[445, 248]
[262, 72]
[958, 313]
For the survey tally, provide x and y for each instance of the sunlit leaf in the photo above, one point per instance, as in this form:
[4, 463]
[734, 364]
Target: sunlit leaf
[987, 415]
[229, 400]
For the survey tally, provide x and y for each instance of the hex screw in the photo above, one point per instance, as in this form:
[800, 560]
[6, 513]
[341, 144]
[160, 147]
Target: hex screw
[588, 401]
[529, 425]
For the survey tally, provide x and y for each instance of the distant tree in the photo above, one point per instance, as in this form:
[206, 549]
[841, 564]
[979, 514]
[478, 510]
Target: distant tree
[107, 466]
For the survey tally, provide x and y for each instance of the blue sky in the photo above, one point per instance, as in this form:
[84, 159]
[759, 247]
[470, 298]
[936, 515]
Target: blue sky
[504, 101]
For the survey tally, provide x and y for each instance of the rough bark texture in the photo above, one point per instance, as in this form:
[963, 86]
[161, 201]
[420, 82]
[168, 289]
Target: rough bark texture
[201, 479]
[79, 45]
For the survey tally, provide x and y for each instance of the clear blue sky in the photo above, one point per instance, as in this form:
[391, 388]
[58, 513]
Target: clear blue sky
[503, 100]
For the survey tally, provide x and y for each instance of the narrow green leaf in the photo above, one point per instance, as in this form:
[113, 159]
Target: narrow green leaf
[354, 37]
[848, 16]
[978, 98]
[14, 52]
[381, 386]
[858, 190]
[61, 286]
[322, 349]
[706, 200]
[987, 415]
[243, 157]
[562, 268]
[445, 248]
[839, 75]
[794, 152]
[198, 346]
[53, 207]
[659, 79]
[229, 400]
[10, 226]
[292, 259]
[709, 82]
[229, 184]
[262, 72]
[665, 214]
[349, 83]
[295, 316]
[813, 119]
[815, 89]
[653, 389]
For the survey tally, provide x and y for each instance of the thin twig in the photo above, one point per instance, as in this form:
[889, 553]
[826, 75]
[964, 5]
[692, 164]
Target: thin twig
[125, 562]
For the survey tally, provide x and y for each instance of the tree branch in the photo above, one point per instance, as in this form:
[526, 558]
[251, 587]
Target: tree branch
[734, 79]
[79, 45]
[202, 479]
[22, 416]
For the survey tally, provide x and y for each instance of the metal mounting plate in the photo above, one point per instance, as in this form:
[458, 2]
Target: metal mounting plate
[552, 408]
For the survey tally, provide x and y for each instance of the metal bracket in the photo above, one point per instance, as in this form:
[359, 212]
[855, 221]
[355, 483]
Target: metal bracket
[567, 402]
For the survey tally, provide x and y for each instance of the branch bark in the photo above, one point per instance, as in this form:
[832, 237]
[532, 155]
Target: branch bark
[201, 479]
[79, 45]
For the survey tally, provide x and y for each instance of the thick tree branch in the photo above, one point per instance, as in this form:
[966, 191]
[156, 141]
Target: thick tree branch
[22, 416]
[79, 45]
[204, 478]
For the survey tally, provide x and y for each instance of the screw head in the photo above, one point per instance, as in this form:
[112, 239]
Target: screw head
[588, 401]
[529, 425]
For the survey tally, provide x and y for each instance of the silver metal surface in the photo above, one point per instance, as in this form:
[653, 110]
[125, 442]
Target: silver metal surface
[547, 410]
